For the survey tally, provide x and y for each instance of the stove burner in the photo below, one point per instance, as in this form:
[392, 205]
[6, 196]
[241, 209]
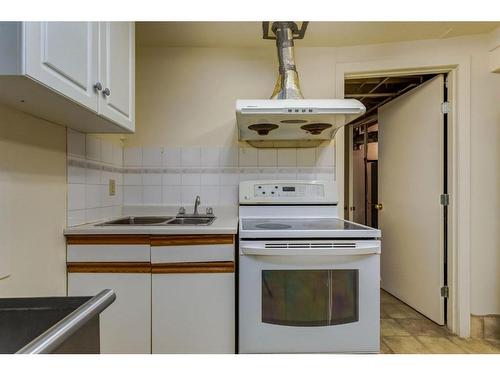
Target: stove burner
[273, 226]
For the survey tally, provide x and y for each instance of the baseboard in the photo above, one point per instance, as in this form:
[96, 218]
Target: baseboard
[485, 326]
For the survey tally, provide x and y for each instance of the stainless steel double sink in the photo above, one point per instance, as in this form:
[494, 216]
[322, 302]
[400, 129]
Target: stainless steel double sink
[161, 220]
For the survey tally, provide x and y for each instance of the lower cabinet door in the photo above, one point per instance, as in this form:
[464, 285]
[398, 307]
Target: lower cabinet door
[125, 326]
[193, 313]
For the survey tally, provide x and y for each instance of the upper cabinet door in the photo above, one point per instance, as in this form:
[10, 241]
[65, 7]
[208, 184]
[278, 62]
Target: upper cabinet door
[117, 72]
[64, 57]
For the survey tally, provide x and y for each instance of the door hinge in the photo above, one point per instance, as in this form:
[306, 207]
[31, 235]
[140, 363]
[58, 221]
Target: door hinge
[445, 199]
[445, 291]
[445, 107]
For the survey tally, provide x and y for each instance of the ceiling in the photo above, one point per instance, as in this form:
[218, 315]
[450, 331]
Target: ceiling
[249, 34]
[376, 91]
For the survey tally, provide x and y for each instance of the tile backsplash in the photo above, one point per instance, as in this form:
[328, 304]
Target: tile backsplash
[92, 162]
[175, 175]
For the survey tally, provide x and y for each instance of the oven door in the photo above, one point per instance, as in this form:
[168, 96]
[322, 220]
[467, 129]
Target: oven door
[305, 298]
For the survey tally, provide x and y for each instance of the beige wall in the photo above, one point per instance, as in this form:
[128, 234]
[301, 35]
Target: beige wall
[32, 205]
[186, 96]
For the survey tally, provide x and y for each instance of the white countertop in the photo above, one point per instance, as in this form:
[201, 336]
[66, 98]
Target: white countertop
[226, 222]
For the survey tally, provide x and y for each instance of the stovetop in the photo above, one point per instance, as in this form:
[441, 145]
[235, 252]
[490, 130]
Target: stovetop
[302, 224]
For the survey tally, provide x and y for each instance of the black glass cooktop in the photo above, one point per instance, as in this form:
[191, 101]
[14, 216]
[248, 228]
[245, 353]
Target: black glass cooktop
[300, 224]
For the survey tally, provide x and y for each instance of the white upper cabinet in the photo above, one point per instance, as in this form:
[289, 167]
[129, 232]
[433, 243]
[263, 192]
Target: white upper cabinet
[64, 56]
[77, 74]
[117, 72]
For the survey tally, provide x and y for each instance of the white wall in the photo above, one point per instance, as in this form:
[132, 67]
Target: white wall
[32, 206]
[186, 97]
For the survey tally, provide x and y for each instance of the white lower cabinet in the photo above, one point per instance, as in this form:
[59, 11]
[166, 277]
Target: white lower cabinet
[193, 313]
[125, 326]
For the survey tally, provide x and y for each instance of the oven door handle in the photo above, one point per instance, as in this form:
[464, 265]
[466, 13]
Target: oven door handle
[306, 251]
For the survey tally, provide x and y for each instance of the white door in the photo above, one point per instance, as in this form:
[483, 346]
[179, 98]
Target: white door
[63, 56]
[193, 313]
[117, 72]
[125, 326]
[411, 148]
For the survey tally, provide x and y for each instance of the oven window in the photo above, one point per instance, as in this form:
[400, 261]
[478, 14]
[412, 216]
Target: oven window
[309, 298]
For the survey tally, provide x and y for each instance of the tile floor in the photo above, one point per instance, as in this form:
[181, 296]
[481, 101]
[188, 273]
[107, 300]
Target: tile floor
[405, 331]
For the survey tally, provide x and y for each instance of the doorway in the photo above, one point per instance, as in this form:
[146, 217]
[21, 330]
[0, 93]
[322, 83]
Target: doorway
[398, 180]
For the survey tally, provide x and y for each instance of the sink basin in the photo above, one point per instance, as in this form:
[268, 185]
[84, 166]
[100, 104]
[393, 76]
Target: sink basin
[160, 220]
[191, 221]
[139, 220]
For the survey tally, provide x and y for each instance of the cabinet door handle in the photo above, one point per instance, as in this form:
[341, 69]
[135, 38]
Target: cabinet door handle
[98, 86]
[106, 92]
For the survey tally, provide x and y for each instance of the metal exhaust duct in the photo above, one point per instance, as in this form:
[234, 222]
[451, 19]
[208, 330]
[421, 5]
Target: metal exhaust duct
[287, 85]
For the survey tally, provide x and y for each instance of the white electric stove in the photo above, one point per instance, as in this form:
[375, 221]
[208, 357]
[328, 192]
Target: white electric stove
[308, 280]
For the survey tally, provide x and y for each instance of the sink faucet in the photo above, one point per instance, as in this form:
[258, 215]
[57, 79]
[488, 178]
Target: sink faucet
[196, 204]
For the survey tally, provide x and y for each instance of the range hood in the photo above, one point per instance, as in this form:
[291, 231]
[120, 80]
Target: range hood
[287, 119]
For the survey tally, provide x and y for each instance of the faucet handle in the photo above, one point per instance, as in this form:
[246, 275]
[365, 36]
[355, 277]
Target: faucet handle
[182, 211]
[210, 211]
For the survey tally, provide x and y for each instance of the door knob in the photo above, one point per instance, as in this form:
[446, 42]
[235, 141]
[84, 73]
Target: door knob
[98, 86]
[106, 92]
[378, 206]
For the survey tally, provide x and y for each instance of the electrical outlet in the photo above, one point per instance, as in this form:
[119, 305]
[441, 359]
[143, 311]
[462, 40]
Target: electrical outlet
[112, 187]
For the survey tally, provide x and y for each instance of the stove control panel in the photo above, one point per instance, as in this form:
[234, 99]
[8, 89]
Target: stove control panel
[280, 192]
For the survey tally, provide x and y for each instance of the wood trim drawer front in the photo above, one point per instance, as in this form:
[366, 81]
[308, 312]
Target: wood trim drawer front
[193, 267]
[106, 239]
[192, 253]
[183, 240]
[109, 253]
[108, 267]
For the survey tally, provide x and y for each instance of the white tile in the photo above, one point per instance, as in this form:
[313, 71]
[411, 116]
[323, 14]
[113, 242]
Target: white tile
[210, 156]
[188, 194]
[230, 178]
[268, 174]
[117, 155]
[306, 174]
[117, 211]
[76, 196]
[76, 175]
[118, 177]
[171, 179]
[306, 157]
[210, 179]
[93, 214]
[267, 157]
[76, 143]
[93, 176]
[132, 195]
[172, 195]
[132, 179]
[248, 157]
[210, 195]
[325, 176]
[151, 178]
[249, 175]
[106, 176]
[76, 217]
[106, 199]
[190, 179]
[228, 157]
[117, 199]
[152, 195]
[132, 157]
[93, 196]
[151, 157]
[172, 157]
[286, 174]
[107, 213]
[106, 151]
[191, 156]
[228, 196]
[325, 156]
[287, 157]
[93, 147]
